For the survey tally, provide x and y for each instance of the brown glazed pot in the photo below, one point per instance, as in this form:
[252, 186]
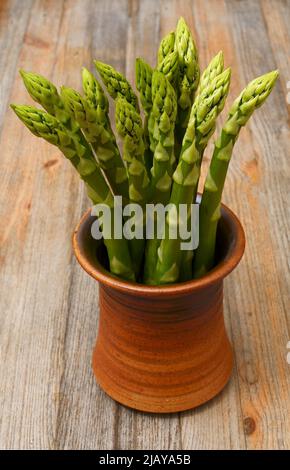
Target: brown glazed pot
[162, 349]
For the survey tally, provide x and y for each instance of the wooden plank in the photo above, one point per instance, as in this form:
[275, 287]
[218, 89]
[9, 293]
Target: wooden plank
[223, 415]
[276, 16]
[38, 394]
[259, 318]
[13, 23]
[48, 306]
[87, 418]
[139, 430]
[29, 413]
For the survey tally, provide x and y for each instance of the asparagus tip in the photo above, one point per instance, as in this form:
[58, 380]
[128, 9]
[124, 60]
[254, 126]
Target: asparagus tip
[19, 109]
[85, 71]
[98, 64]
[25, 76]
[181, 20]
[68, 94]
[86, 77]
[227, 73]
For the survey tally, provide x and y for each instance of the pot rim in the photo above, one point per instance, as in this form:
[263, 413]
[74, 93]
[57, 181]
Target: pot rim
[218, 273]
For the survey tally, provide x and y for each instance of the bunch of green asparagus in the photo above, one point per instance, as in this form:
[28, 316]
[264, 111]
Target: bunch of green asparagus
[162, 148]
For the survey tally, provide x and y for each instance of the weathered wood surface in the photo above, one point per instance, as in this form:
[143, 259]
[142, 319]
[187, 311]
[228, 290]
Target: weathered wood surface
[48, 315]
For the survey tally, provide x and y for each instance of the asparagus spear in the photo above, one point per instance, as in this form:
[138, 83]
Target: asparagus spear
[144, 84]
[49, 128]
[163, 115]
[166, 46]
[170, 67]
[116, 83]
[201, 125]
[95, 124]
[188, 74]
[129, 127]
[214, 68]
[252, 97]
[45, 93]
[97, 100]
[94, 93]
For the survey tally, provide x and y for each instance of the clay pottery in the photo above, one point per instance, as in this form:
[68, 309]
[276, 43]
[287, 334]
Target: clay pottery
[162, 349]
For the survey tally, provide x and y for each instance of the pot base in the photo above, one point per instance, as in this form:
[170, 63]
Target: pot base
[145, 403]
[162, 361]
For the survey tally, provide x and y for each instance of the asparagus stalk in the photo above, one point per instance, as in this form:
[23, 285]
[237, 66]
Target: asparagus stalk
[188, 75]
[94, 93]
[45, 93]
[49, 128]
[170, 67]
[116, 83]
[201, 125]
[144, 85]
[97, 100]
[214, 68]
[129, 127]
[166, 46]
[252, 97]
[95, 124]
[164, 112]
[164, 115]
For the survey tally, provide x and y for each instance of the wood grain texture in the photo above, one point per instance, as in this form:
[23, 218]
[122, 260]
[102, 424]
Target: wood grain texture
[48, 306]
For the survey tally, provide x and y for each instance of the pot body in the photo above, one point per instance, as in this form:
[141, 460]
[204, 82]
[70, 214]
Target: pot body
[162, 354]
[162, 348]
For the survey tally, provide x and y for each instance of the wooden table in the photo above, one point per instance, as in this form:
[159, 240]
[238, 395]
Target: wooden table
[49, 313]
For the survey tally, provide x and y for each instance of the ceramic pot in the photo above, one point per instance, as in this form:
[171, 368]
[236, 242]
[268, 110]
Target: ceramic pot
[162, 349]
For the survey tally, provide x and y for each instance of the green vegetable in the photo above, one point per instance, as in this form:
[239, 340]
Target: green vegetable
[163, 117]
[170, 67]
[201, 125]
[129, 127]
[49, 128]
[116, 83]
[188, 75]
[166, 46]
[214, 68]
[161, 156]
[252, 97]
[144, 85]
[45, 93]
[95, 124]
